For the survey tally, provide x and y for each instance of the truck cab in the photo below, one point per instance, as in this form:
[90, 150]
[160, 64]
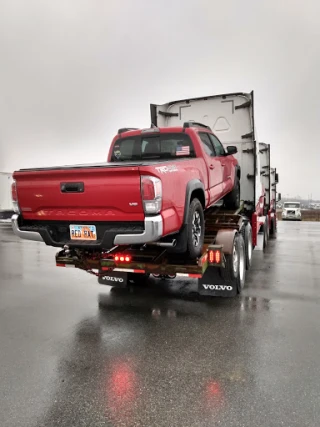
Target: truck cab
[291, 211]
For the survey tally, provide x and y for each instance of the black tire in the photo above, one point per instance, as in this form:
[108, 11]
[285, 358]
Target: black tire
[246, 233]
[273, 228]
[265, 233]
[235, 269]
[195, 229]
[232, 200]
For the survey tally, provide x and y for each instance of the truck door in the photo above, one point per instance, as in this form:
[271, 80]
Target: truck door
[226, 164]
[214, 168]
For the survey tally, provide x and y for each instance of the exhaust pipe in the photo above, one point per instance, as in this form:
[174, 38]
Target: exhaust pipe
[164, 244]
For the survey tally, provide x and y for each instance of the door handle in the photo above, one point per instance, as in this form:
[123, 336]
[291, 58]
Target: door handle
[211, 167]
[223, 165]
[72, 187]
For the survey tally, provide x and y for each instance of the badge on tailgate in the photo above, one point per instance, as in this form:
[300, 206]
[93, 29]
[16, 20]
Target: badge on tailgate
[83, 232]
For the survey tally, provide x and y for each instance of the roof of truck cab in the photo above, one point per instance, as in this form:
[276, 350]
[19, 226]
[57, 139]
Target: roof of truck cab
[175, 129]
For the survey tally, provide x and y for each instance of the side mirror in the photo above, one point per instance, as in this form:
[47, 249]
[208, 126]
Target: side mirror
[277, 179]
[232, 149]
[279, 197]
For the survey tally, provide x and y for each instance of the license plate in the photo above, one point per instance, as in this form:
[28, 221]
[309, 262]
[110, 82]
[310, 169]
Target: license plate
[83, 232]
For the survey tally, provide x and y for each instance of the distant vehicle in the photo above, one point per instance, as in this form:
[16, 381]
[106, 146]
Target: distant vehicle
[291, 211]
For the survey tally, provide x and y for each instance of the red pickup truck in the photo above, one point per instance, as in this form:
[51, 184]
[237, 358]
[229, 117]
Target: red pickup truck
[153, 190]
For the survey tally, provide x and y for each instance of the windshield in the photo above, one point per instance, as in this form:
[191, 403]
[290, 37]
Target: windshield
[292, 205]
[164, 146]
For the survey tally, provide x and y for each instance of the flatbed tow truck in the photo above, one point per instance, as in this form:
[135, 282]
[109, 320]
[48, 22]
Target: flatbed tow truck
[230, 236]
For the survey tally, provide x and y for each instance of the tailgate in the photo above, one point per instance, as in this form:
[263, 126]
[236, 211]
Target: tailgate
[80, 194]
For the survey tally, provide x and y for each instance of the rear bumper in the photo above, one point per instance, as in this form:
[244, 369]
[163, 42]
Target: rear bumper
[27, 235]
[153, 229]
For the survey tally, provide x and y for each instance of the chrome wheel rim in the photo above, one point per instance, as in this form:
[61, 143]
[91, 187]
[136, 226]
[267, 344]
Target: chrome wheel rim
[196, 229]
[241, 267]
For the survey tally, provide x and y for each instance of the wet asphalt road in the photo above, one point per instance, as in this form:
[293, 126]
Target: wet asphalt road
[154, 358]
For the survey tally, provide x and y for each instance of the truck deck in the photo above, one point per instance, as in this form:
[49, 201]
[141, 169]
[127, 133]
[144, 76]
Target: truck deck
[157, 260]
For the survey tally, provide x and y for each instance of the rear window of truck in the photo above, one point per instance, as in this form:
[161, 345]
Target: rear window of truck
[153, 147]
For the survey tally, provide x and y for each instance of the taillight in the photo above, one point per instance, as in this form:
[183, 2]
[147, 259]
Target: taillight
[151, 192]
[14, 196]
[215, 256]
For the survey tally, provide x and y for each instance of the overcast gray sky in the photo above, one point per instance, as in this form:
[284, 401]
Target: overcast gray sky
[73, 72]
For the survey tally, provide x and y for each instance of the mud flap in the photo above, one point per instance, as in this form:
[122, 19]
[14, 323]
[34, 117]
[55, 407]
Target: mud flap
[212, 284]
[114, 278]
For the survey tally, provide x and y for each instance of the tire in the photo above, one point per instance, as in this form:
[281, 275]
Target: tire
[242, 265]
[235, 269]
[232, 200]
[273, 230]
[265, 233]
[195, 229]
[246, 233]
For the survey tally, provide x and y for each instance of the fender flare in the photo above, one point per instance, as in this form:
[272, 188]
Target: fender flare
[194, 184]
[225, 237]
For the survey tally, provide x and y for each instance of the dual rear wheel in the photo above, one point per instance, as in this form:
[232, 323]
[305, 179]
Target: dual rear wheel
[240, 259]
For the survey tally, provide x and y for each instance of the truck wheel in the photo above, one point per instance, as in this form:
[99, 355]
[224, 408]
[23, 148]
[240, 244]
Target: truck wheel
[246, 233]
[195, 229]
[242, 266]
[235, 269]
[272, 228]
[232, 200]
[265, 233]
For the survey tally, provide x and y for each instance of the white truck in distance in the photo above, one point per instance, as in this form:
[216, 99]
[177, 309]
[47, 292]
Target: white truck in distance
[291, 211]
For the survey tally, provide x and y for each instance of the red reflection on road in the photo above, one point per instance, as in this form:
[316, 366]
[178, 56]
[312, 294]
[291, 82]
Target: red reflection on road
[121, 391]
[122, 382]
[213, 396]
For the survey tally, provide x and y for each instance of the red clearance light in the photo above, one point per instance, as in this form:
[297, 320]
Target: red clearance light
[122, 258]
[211, 257]
[218, 257]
